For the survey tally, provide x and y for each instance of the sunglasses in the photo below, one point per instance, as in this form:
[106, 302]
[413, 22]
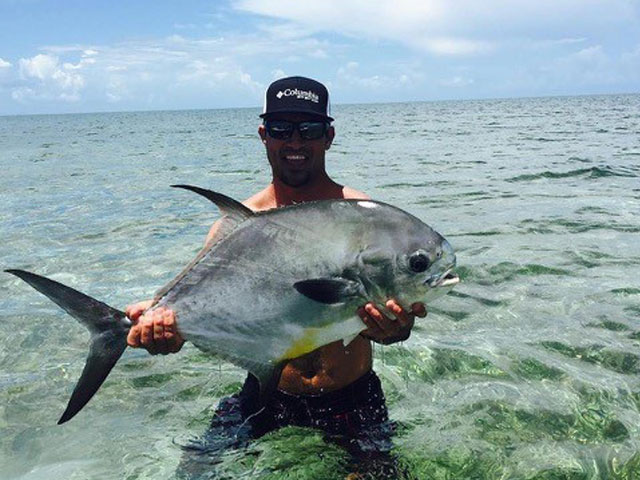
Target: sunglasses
[283, 130]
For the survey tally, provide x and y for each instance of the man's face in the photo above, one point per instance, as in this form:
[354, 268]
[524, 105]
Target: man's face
[296, 161]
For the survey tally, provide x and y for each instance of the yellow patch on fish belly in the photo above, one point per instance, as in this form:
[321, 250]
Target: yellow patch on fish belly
[308, 342]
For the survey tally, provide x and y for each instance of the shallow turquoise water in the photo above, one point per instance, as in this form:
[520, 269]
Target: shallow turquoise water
[528, 370]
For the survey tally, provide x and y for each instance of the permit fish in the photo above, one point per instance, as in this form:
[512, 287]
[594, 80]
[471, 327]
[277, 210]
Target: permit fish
[274, 285]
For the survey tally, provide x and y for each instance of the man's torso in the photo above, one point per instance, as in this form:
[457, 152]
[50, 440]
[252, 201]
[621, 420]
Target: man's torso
[335, 365]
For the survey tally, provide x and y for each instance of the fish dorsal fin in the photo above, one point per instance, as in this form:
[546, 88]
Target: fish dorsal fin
[230, 208]
[233, 213]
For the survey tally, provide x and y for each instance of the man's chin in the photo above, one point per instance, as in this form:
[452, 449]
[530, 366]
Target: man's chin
[295, 179]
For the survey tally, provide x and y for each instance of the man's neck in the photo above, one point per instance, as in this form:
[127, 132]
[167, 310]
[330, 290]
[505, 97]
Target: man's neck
[321, 189]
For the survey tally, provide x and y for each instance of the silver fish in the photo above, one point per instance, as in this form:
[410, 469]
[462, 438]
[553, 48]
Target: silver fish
[275, 285]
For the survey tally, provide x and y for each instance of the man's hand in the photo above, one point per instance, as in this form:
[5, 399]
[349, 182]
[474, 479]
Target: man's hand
[156, 331]
[385, 330]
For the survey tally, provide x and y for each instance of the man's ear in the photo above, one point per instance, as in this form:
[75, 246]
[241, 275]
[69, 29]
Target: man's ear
[263, 133]
[331, 133]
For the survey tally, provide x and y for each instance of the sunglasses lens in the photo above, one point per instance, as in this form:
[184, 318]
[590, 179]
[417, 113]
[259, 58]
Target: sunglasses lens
[279, 129]
[283, 130]
[311, 130]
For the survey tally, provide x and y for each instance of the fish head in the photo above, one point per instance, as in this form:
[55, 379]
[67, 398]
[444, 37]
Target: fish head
[427, 268]
[414, 262]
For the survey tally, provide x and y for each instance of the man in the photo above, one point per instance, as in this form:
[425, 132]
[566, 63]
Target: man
[332, 388]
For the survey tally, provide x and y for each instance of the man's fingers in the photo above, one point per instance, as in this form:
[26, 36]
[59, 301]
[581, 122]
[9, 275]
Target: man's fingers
[133, 337]
[373, 327]
[402, 316]
[171, 335]
[384, 325]
[137, 309]
[159, 339]
[375, 314]
[146, 334]
[392, 328]
[156, 331]
[419, 309]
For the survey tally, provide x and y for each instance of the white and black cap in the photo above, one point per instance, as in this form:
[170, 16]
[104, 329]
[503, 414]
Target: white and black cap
[297, 95]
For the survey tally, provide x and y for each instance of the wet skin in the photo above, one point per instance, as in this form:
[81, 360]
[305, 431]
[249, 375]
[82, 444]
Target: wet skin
[299, 175]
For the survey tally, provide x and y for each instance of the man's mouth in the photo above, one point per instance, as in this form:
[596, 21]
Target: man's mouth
[295, 159]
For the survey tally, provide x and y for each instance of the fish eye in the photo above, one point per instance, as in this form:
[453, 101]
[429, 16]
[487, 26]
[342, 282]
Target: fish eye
[418, 262]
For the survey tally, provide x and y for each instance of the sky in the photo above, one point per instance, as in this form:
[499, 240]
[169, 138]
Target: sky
[86, 56]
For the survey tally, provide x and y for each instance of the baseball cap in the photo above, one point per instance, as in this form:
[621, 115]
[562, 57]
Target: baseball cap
[297, 95]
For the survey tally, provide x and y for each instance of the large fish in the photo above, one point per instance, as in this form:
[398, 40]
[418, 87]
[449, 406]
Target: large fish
[274, 285]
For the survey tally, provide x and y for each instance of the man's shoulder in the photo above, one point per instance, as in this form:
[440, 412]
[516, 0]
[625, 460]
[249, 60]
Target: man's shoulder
[260, 201]
[352, 193]
[265, 199]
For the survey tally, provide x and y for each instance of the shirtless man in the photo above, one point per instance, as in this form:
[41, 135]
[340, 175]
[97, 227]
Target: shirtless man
[296, 133]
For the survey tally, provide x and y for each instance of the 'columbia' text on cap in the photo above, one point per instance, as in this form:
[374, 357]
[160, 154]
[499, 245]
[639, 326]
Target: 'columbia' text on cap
[297, 95]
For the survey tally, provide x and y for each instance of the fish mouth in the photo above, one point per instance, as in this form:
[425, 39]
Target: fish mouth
[448, 279]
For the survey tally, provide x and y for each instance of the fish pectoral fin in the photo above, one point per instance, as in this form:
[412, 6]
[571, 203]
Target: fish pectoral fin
[328, 290]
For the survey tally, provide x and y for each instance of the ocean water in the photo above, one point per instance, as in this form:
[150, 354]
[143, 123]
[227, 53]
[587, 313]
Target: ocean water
[528, 370]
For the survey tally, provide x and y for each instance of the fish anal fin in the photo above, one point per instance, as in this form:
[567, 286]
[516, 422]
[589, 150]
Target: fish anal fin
[328, 290]
[268, 377]
[350, 338]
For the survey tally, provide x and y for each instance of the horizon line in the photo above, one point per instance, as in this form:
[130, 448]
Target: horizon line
[525, 97]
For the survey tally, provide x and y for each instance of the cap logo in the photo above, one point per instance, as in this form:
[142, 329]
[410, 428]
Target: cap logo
[299, 94]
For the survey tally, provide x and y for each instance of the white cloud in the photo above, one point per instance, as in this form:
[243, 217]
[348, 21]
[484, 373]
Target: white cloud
[78, 66]
[176, 39]
[116, 89]
[185, 26]
[22, 93]
[590, 55]
[631, 61]
[349, 75]
[443, 27]
[590, 69]
[41, 66]
[456, 46]
[319, 53]
[425, 47]
[68, 81]
[215, 73]
[557, 42]
[49, 79]
[456, 81]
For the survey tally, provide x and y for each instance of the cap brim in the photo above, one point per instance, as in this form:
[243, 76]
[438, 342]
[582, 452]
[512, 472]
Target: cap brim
[305, 112]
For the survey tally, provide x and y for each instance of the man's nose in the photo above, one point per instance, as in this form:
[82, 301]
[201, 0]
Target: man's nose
[295, 140]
